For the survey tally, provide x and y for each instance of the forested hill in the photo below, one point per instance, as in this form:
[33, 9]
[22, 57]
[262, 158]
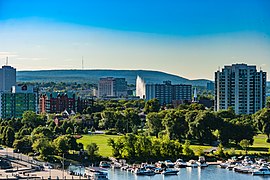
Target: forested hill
[93, 76]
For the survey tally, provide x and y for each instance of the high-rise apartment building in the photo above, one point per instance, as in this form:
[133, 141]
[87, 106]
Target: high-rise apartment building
[7, 78]
[166, 93]
[241, 87]
[112, 87]
[22, 98]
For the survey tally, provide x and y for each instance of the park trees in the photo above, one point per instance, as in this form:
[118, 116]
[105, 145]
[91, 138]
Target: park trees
[175, 124]
[262, 119]
[152, 105]
[92, 150]
[154, 123]
[44, 146]
[203, 126]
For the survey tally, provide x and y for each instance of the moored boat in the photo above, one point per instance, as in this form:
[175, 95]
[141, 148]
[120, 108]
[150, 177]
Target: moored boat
[95, 173]
[201, 162]
[169, 163]
[261, 171]
[168, 171]
[104, 164]
[192, 163]
[144, 172]
[180, 163]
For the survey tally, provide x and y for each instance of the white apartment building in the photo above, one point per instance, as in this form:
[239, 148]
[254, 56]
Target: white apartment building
[241, 87]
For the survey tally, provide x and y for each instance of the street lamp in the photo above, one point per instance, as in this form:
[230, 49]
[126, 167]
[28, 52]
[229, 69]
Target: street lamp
[80, 172]
[63, 166]
[50, 173]
[7, 152]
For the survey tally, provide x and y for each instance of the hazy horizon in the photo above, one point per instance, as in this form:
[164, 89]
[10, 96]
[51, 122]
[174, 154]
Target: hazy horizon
[189, 39]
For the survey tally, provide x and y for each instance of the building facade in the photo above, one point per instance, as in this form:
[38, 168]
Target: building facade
[166, 93]
[57, 102]
[241, 87]
[112, 87]
[7, 78]
[22, 98]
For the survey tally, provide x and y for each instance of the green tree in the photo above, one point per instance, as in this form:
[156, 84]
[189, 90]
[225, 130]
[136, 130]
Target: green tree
[187, 150]
[175, 124]
[245, 144]
[117, 147]
[154, 123]
[31, 119]
[262, 119]
[220, 150]
[92, 150]
[44, 147]
[64, 143]
[152, 105]
[69, 130]
[24, 145]
[9, 136]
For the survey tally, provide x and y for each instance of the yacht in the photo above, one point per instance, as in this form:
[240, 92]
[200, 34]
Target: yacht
[261, 171]
[104, 164]
[192, 163]
[168, 171]
[180, 163]
[169, 164]
[144, 172]
[201, 162]
[95, 173]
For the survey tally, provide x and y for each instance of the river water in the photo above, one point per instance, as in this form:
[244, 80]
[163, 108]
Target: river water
[212, 172]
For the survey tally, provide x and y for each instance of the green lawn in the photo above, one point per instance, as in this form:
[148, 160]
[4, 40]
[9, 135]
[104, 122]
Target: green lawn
[259, 145]
[101, 140]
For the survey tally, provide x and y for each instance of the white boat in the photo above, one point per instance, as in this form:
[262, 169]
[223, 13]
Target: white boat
[192, 163]
[144, 172]
[169, 164]
[104, 164]
[95, 173]
[201, 162]
[180, 163]
[261, 171]
[116, 165]
[167, 172]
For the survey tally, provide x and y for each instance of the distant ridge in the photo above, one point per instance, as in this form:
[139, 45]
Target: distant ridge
[92, 76]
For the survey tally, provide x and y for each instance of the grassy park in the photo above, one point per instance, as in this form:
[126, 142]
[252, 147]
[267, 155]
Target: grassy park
[101, 140]
[259, 145]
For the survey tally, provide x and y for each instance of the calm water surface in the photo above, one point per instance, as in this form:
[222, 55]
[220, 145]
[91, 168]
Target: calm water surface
[209, 173]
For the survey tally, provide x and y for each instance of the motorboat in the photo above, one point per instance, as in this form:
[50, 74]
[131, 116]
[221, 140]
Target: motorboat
[104, 164]
[201, 162]
[169, 171]
[158, 170]
[95, 173]
[169, 164]
[116, 165]
[144, 172]
[192, 163]
[261, 171]
[148, 166]
[180, 163]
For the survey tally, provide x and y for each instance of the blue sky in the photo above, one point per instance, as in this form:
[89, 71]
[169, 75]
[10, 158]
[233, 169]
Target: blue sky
[187, 38]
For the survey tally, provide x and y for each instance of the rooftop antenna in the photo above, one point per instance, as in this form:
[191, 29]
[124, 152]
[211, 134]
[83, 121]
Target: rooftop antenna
[6, 61]
[82, 63]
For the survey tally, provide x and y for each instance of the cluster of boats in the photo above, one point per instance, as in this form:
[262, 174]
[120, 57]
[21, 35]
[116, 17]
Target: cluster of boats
[162, 167]
[247, 166]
